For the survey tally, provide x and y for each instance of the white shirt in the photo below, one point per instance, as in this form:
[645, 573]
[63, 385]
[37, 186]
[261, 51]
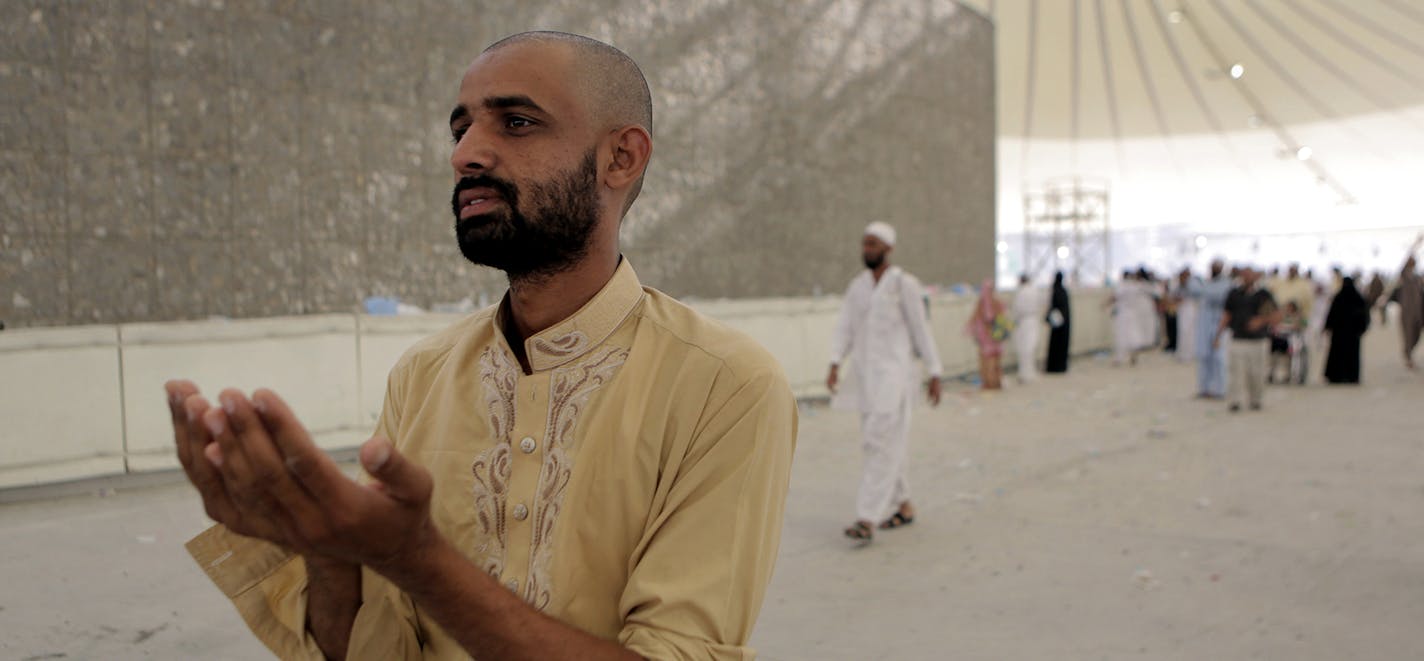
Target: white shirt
[882, 328]
[1030, 305]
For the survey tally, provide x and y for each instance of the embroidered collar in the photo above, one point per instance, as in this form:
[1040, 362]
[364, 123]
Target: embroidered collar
[585, 329]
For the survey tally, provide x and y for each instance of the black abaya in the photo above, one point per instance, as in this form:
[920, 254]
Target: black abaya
[1348, 319]
[1058, 339]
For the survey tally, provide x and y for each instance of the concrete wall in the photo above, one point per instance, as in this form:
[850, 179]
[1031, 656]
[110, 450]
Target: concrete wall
[84, 402]
[166, 160]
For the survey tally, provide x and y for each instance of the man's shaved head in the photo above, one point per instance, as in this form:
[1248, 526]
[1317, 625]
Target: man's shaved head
[610, 82]
[552, 140]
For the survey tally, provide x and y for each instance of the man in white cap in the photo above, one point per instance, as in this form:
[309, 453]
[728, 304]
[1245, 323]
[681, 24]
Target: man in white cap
[883, 327]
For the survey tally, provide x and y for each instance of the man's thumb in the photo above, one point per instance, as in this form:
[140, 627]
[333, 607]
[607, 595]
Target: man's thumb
[399, 478]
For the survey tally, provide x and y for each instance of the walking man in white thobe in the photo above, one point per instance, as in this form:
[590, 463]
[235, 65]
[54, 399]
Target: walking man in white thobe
[1126, 304]
[1029, 309]
[882, 328]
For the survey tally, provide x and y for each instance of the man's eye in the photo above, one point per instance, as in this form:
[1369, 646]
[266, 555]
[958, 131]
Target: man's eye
[456, 134]
[518, 122]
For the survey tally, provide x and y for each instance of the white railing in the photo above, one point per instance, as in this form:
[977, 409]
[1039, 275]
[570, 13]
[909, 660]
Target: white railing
[88, 401]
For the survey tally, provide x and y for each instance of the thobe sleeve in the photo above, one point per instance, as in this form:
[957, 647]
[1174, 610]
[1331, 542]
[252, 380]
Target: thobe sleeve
[912, 300]
[843, 337]
[268, 586]
[696, 587]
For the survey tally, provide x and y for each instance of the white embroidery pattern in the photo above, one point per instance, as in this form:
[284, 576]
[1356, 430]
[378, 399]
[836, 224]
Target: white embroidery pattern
[565, 345]
[498, 376]
[569, 389]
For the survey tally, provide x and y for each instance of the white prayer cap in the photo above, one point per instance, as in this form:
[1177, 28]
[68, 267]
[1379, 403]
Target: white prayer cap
[882, 231]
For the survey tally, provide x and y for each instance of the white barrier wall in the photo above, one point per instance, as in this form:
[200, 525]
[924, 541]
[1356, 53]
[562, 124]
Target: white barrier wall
[88, 401]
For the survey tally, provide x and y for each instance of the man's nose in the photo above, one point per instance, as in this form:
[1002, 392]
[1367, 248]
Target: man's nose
[472, 155]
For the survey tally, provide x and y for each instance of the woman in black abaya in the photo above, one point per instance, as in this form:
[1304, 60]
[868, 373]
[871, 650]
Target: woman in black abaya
[1060, 319]
[1348, 319]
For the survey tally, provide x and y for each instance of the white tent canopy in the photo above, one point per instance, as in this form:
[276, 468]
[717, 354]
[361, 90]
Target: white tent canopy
[1220, 117]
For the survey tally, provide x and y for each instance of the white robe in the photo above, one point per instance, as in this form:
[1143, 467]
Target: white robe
[1126, 323]
[1029, 308]
[882, 328]
[1186, 329]
[1148, 321]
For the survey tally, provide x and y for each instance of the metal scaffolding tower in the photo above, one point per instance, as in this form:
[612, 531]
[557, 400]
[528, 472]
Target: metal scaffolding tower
[1066, 229]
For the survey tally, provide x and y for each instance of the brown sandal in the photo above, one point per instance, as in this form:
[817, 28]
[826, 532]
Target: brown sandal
[860, 532]
[899, 520]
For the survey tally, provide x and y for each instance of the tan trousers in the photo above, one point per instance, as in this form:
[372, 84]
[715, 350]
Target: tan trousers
[1247, 366]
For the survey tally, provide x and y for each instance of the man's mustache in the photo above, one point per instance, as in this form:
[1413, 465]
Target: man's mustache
[506, 190]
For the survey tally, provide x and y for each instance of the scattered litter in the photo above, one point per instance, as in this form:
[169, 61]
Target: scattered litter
[145, 634]
[389, 306]
[966, 463]
[974, 411]
[1161, 419]
[1215, 578]
[147, 539]
[1157, 433]
[1144, 580]
[1203, 503]
[1164, 475]
[105, 493]
[381, 305]
[963, 497]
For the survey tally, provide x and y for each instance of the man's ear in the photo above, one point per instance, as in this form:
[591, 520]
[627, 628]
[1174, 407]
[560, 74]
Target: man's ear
[632, 149]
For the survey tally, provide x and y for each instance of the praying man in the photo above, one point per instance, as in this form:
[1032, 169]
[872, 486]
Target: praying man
[587, 470]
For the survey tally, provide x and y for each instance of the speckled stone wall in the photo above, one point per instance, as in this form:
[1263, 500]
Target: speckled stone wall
[177, 159]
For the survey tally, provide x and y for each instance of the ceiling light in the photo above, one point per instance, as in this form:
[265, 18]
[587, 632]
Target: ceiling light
[1003, 246]
[1063, 252]
[1201, 242]
[1174, 17]
[1237, 71]
[1303, 154]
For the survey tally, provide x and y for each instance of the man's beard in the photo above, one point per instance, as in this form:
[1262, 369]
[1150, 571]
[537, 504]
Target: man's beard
[550, 239]
[873, 262]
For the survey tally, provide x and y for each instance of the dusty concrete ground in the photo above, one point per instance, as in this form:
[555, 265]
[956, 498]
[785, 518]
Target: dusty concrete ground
[1107, 515]
[1101, 515]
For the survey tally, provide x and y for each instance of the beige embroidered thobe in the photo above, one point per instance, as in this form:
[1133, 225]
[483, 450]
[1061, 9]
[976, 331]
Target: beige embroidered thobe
[632, 486]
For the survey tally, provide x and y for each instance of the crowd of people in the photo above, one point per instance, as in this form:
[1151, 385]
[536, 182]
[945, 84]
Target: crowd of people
[1244, 327]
